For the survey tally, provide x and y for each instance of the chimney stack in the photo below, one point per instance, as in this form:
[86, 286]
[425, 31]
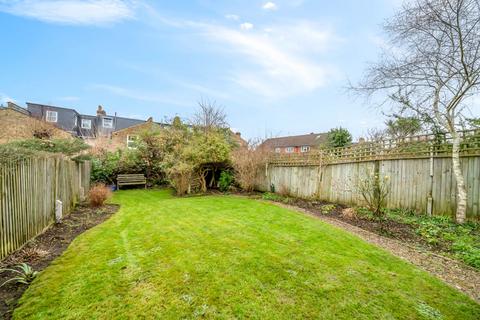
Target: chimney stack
[100, 111]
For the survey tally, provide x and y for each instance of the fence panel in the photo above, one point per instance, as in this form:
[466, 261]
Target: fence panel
[28, 190]
[414, 182]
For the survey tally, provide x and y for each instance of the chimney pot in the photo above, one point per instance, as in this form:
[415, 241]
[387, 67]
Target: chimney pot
[100, 111]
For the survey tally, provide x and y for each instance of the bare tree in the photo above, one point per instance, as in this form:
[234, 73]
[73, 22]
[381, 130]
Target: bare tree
[210, 115]
[376, 135]
[433, 70]
[248, 162]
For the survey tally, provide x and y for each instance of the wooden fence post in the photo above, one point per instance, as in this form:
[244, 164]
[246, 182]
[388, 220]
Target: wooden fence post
[430, 191]
[29, 191]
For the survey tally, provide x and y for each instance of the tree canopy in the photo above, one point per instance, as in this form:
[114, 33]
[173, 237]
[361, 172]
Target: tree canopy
[339, 137]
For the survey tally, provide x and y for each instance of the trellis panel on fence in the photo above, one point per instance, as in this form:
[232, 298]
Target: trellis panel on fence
[28, 190]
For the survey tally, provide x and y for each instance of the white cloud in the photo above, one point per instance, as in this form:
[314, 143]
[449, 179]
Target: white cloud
[5, 98]
[246, 26]
[304, 36]
[140, 95]
[283, 61]
[270, 6]
[74, 12]
[216, 94]
[233, 17]
[278, 68]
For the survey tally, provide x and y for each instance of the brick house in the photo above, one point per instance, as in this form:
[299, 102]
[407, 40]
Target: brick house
[81, 125]
[17, 123]
[295, 144]
[130, 135]
[101, 130]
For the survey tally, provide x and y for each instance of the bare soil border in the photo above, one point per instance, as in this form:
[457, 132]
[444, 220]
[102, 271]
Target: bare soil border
[43, 249]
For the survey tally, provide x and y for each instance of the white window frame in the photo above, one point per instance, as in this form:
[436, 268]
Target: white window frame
[104, 124]
[84, 124]
[51, 116]
[278, 150]
[305, 149]
[289, 149]
[131, 141]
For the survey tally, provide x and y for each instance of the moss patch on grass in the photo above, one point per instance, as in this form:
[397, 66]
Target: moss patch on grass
[229, 257]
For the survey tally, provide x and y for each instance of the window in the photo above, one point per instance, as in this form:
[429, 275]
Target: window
[305, 148]
[51, 116]
[75, 121]
[132, 142]
[278, 150]
[289, 149]
[86, 124]
[107, 122]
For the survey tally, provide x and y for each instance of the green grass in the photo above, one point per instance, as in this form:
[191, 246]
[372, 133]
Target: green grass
[226, 257]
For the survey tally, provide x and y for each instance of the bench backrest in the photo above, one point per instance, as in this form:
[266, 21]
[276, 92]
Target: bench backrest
[140, 178]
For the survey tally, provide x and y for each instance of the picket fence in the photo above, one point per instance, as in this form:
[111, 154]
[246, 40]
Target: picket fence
[29, 189]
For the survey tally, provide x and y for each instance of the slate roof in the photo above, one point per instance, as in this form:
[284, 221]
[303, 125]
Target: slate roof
[312, 140]
[65, 119]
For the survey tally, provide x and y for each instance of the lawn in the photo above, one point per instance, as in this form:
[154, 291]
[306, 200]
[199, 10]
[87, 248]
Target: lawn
[228, 257]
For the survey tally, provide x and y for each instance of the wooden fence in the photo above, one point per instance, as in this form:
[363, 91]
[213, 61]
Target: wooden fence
[28, 191]
[418, 173]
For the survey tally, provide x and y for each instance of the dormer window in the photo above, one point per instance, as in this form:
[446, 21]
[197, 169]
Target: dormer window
[51, 116]
[86, 124]
[107, 122]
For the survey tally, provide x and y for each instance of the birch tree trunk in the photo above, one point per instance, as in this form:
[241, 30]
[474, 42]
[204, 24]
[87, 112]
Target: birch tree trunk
[460, 214]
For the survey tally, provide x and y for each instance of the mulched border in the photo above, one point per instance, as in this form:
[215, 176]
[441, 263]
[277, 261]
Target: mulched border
[46, 247]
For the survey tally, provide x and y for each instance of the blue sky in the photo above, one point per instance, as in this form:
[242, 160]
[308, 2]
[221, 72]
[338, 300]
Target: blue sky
[278, 67]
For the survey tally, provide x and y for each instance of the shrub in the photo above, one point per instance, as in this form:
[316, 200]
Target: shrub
[374, 190]
[98, 194]
[272, 197]
[462, 240]
[105, 167]
[9, 152]
[23, 274]
[225, 181]
[68, 147]
[327, 208]
[248, 163]
[441, 232]
[349, 213]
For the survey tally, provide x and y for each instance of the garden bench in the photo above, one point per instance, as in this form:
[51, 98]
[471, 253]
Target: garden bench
[131, 179]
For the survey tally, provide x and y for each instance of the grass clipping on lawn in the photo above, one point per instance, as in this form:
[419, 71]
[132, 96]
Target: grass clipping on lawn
[230, 257]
